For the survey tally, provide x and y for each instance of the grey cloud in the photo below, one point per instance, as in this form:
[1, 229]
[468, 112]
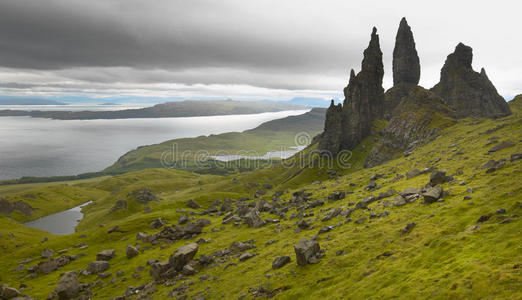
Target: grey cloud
[293, 44]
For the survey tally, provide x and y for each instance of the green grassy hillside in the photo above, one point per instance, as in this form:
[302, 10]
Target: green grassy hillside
[185, 153]
[465, 246]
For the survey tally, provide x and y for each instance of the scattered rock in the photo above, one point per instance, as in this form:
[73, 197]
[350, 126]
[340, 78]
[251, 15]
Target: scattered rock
[501, 145]
[409, 227]
[183, 219]
[119, 205]
[439, 177]
[96, 267]
[246, 255]
[68, 287]
[183, 255]
[280, 261]
[432, 194]
[303, 224]
[306, 251]
[484, 218]
[132, 251]
[157, 269]
[398, 201]
[252, 219]
[158, 223]
[193, 204]
[106, 254]
[7, 292]
[47, 253]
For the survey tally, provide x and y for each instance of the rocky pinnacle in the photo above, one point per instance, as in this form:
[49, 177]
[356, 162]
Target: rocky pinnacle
[406, 66]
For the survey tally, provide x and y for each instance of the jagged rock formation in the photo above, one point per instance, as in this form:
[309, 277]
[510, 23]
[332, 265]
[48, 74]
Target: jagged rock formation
[406, 68]
[417, 120]
[363, 103]
[470, 93]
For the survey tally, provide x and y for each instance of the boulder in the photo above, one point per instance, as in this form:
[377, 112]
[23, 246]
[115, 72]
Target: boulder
[246, 255]
[68, 287]
[306, 251]
[432, 194]
[132, 251]
[96, 267]
[158, 223]
[7, 292]
[157, 269]
[106, 254]
[439, 177]
[501, 145]
[188, 270]
[303, 224]
[398, 201]
[47, 267]
[183, 255]
[47, 253]
[252, 219]
[193, 204]
[280, 261]
[409, 227]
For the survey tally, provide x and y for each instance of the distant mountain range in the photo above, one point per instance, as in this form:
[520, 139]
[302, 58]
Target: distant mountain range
[29, 101]
[189, 108]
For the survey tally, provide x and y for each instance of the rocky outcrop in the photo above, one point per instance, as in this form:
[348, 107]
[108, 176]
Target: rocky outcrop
[331, 138]
[7, 207]
[468, 92]
[406, 66]
[417, 120]
[363, 103]
[69, 286]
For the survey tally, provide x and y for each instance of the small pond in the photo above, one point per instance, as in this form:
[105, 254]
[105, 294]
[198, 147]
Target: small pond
[60, 223]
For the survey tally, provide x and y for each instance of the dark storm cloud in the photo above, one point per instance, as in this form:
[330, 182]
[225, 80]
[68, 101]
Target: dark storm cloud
[126, 45]
[69, 33]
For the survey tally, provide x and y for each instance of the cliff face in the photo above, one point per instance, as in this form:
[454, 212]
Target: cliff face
[470, 93]
[363, 103]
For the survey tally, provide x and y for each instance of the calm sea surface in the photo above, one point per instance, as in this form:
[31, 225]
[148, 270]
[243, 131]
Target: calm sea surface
[45, 147]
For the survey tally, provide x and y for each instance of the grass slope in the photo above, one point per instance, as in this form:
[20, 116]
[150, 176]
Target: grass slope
[448, 255]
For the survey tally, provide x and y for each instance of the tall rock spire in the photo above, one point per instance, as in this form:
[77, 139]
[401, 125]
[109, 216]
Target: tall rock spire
[468, 92]
[406, 66]
[363, 103]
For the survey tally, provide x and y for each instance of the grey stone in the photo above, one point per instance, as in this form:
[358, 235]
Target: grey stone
[183, 255]
[305, 250]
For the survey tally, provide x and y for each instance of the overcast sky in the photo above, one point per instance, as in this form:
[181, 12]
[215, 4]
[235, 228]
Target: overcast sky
[255, 49]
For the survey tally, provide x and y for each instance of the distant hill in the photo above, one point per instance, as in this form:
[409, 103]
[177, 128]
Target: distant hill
[270, 136]
[29, 101]
[189, 108]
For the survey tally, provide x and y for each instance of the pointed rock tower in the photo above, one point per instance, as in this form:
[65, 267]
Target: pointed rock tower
[406, 68]
[363, 103]
[468, 92]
